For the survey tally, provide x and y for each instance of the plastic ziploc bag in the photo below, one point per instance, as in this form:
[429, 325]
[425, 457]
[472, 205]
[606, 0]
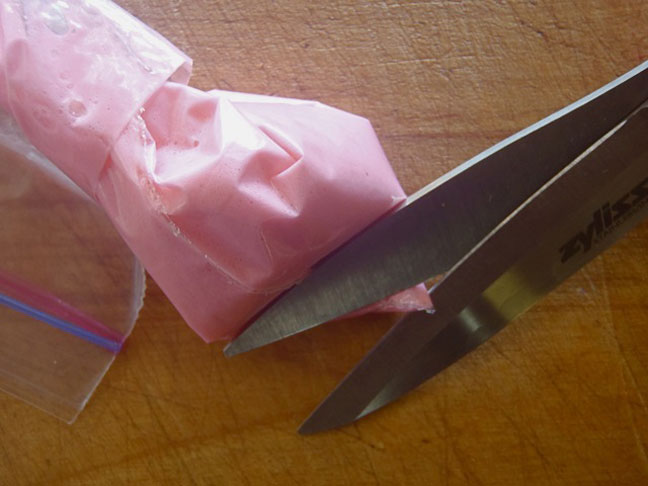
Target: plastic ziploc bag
[70, 289]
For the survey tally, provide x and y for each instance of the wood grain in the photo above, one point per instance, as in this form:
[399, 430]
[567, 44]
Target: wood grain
[559, 397]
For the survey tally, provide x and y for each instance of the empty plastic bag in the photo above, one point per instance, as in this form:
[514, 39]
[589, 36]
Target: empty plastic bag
[70, 289]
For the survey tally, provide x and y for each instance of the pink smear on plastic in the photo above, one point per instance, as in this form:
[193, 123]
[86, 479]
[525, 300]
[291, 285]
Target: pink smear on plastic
[228, 199]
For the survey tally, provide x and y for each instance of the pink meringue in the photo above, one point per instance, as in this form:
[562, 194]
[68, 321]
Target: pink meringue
[228, 199]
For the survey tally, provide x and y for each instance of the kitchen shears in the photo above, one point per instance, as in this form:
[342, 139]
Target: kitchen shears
[503, 229]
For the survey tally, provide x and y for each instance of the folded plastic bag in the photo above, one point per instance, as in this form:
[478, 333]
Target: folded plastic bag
[70, 289]
[228, 199]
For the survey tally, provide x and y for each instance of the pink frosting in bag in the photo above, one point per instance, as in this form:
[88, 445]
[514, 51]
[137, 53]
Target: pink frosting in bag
[227, 198]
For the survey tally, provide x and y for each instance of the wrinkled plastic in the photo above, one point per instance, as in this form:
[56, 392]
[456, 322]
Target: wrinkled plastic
[70, 289]
[227, 198]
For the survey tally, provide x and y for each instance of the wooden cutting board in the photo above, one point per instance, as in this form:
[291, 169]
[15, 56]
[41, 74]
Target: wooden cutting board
[559, 397]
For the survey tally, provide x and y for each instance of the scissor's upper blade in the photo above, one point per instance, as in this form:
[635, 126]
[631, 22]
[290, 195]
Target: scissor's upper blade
[577, 215]
[443, 221]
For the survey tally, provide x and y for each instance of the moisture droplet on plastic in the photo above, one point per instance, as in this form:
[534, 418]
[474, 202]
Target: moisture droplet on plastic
[55, 19]
[76, 108]
[42, 115]
[90, 9]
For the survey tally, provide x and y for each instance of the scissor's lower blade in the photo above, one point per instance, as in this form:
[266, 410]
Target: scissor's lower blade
[458, 338]
[577, 215]
[368, 378]
[454, 339]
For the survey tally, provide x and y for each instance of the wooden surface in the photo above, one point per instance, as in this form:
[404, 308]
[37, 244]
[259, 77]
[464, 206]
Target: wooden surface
[559, 397]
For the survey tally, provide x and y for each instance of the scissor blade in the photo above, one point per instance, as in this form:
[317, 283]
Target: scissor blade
[456, 340]
[352, 400]
[443, 221]
[573, 218]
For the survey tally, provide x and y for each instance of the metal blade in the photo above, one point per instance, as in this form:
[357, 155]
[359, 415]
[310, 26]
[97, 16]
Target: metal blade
[580, 213]
[443, 221]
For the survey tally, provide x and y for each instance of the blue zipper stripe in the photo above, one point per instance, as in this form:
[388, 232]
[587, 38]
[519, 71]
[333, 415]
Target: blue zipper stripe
[68, 327]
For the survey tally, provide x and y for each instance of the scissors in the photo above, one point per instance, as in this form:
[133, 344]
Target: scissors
[503, 229]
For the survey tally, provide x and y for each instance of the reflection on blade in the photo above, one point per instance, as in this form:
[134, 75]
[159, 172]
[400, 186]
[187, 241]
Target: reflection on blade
[576, 216]
[443, 221]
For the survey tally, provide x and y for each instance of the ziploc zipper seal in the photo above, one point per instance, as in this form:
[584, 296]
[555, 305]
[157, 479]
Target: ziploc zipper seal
[35, 303]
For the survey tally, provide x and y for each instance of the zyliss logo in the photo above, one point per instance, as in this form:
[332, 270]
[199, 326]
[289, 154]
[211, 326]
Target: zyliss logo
[604, 220]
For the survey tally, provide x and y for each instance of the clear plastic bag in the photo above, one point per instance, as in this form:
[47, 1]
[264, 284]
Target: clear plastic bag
[70, 289]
